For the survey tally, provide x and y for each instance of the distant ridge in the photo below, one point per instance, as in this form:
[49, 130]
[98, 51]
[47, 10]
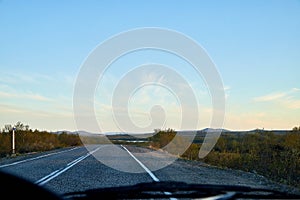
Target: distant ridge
[214, 129]
[83, 133]
[201, 131]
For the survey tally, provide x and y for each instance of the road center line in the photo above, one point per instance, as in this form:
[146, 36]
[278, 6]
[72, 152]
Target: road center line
[56, 173]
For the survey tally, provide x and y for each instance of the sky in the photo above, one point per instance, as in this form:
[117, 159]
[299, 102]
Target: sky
[254, 45]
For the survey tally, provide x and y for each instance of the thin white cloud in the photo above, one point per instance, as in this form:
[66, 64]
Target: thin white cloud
[31, 96]
[270, 97]
[226, 87]
[10, 109]
[296, 89]
[291, 103]
[36, 118]
[19, 77]
[227, 91]
[287, 99]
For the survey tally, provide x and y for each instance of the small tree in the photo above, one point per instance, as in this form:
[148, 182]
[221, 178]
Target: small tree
[7, 128]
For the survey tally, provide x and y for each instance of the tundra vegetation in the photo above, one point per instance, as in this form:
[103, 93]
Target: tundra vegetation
[273, 155]
[28, 140]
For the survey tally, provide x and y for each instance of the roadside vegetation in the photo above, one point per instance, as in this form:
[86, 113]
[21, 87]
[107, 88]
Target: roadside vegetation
[28, 140]
[275, 156]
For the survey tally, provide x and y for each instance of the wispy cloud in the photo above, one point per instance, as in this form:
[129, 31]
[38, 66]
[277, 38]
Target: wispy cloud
[227, 91]
[37, 118]
[296, 89]
[18, 77]
[287, 99]
[31, 96]
[291, 103]
[270, 97]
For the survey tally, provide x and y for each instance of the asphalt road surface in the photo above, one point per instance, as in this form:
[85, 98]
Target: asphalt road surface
[79, 168]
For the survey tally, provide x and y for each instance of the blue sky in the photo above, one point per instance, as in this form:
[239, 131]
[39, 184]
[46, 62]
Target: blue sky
[255, 46]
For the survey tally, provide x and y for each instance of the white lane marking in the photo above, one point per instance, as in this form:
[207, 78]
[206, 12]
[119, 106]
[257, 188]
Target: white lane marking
[75, 160]
[35, 158]
[142, 165]
[56, 173]
[228, 195]
[147, 170]
[49, 175]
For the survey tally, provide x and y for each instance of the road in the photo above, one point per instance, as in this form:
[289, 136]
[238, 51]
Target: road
[77, 169]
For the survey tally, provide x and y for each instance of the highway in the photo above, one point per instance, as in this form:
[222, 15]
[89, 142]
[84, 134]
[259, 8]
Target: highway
[78, 169]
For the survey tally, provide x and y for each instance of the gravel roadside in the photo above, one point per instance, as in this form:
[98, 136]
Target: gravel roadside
[199, 172]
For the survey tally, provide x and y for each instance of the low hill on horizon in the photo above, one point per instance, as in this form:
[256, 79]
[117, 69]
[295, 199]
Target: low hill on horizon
[201, 131]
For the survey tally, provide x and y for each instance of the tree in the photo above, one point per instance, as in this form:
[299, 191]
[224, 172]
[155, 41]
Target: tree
[296, 128]
[7, 128]
[19, 126]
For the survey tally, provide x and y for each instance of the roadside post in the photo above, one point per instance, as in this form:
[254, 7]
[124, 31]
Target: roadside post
[13, 141]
